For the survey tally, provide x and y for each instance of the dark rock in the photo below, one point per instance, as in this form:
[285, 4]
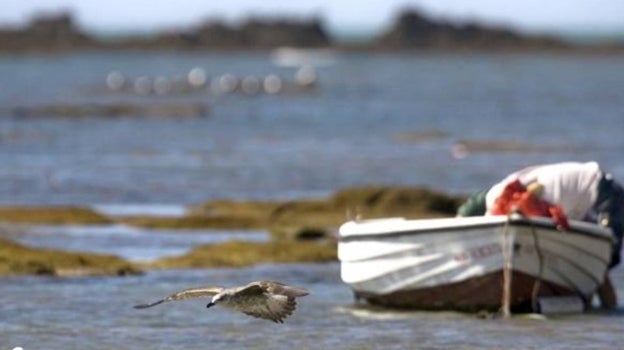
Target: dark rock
[45, 33]
[113, 110]
[270, 34]
[413, 30]
[58, 33]
[240, 253]
[56, 215]
[253, 34]
[301, 233]
[18, 259]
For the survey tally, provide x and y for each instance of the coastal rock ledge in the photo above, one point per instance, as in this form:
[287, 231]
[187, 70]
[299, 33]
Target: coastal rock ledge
[17, 259]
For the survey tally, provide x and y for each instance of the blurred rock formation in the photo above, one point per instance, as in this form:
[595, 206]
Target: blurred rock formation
[57, 32]
[45, 33]
[412, 30]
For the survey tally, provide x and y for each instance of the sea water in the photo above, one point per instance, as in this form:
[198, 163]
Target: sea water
[388, 119]
[97, 313]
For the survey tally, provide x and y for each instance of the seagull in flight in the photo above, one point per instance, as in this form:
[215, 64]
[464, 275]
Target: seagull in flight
[262, 299]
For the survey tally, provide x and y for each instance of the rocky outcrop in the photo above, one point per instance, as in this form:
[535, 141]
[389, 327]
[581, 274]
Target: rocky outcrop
[241, 253]
[250, 35]
[300, 218]
[45, 33]
[159, 110]
[319, 218]
[55, 215]
[413, 30]
[58, 33]
[257, 33]
[18, 259]
[302, 230]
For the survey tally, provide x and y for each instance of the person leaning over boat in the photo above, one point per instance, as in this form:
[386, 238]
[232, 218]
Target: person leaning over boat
[569, 190]
[528, 201]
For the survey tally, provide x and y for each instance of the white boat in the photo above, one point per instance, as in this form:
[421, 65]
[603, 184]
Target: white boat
[472, 263]
[298, 57]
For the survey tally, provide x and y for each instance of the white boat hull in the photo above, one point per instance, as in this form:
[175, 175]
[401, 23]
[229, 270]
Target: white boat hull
[457, 263]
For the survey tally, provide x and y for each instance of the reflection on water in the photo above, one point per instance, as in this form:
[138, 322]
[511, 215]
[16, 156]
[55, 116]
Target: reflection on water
[97, 313]
[133, 243]
[168, 210]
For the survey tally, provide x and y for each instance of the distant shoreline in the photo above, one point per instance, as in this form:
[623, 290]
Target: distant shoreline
[410, 32]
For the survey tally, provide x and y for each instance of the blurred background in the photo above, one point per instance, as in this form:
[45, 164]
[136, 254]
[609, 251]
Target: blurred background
[151, 107]
[174, 103]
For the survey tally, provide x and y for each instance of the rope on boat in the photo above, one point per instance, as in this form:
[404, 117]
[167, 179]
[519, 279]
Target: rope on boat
[506, 295]
[507, 278]
[540, 258]
[507, 252]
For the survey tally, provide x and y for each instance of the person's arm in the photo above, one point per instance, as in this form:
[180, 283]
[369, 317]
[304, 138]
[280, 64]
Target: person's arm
[559, 217]
[504, 202]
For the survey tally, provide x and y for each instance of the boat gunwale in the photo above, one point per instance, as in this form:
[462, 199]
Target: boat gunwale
[595, 232]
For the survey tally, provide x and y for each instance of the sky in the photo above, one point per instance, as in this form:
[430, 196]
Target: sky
[604, 16]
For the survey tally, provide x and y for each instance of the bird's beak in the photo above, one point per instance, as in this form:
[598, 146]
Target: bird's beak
[209, 304]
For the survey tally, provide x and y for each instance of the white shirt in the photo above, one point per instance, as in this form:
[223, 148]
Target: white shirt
[572, 185]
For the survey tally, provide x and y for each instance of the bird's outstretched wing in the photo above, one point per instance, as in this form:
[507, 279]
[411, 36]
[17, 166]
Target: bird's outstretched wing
[185, 294]
[271, 300]
[272, 287]
[272, 307]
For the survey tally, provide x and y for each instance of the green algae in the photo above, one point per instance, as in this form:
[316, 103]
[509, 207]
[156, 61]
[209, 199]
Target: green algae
[363, 203]
[302, 230]
[288, 219]
[54, 215]
[217, 214]
[236, 208]
[18, 259]
[276, 216]
[242, 253]
[194, 222]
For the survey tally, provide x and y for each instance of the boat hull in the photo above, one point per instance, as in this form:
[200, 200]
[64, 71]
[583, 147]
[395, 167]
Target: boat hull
[460, 263]
[471, 295]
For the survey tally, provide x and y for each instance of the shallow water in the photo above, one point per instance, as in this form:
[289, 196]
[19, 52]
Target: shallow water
[128, 209]
[97, 313]
[351, 132]
[348, 133]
